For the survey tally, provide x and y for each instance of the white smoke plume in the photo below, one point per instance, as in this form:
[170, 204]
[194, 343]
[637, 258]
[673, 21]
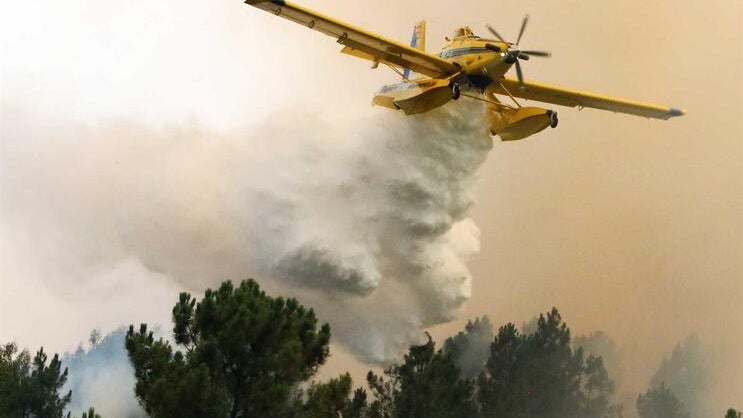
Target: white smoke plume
[110, 204]
[687, 374]
[102, 377]
[471, 347]
[365, 220]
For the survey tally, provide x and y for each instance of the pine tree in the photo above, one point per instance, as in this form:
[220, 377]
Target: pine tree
[242, 354]
[30, 388]
[90, 414]
[541, 375]
[659, 402]
[426, 385]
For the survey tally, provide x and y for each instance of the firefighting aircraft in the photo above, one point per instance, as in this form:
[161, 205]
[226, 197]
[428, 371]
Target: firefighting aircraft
[467, 65]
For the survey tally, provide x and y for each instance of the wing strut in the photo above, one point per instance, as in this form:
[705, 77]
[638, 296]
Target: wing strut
[509, 94]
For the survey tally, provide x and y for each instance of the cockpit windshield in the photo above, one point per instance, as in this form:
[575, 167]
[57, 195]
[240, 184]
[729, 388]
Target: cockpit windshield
[463, 32]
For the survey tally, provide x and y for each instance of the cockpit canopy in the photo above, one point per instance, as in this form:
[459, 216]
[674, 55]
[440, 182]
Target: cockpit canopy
[463, 32]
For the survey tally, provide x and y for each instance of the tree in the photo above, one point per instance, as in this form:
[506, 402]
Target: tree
[732, 413]
[243, 353]
[357, 406]
[495, 395]
[330, 400]
[685, 373]
[30, 388]
[599, 344]
[659, 402]
[95, 337]
[90, 414]
[540, 375]
[597, 389]
[426, 385]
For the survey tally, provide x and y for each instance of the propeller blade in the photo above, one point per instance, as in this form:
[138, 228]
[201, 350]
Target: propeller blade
[523, 28]
[523, 56]
[538, 53]
[519, 74]
[496, 34]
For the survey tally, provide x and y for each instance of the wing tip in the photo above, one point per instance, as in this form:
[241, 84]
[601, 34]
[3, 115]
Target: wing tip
[676, 112]
[277, 2]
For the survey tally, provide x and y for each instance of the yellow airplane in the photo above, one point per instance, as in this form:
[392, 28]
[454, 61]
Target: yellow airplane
[467, 65]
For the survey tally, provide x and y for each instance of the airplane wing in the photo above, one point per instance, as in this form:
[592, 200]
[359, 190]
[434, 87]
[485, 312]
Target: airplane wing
[361, 43]
[572, 98]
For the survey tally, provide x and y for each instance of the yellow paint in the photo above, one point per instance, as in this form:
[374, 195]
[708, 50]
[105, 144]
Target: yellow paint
[467, 63]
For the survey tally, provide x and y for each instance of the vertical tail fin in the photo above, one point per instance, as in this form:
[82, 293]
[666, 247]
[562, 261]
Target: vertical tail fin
[418, 41]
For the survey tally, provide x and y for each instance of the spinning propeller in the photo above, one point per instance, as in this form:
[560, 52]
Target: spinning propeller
[514, 54]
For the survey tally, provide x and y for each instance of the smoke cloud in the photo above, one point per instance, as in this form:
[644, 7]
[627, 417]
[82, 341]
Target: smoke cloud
[102, 377]
[367, 222]
[686, 373]
[374, 231]
[471, 348]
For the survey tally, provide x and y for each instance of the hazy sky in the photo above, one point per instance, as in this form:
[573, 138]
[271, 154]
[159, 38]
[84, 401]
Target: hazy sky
[627, 225]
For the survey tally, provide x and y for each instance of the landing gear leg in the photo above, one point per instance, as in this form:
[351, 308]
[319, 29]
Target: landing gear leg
[455, 91]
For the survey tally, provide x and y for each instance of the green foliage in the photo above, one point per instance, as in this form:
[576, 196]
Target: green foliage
[732, 413]
[245, 352]
[330, 400]
[357, 406]
[659, 402]
[599, 344]
[168, 385]
[540, 375]
[426, 385]
[29, 388]
[533, 375]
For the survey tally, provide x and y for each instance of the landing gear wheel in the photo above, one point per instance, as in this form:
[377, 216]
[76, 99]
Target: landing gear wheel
[553, 119]
[455, 91]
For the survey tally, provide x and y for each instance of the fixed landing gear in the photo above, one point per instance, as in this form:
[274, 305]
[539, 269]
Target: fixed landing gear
[455, 91]
[553, 118]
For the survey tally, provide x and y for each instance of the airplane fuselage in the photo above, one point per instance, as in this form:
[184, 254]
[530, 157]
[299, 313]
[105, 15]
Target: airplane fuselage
[482, 63]
[479, 62]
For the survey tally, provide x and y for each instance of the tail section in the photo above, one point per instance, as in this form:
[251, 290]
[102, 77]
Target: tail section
[419, 36]
[418, 41]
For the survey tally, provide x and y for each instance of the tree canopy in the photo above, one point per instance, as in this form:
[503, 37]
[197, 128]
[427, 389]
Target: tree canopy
[238, 352]
[242, 354]
[659, 402]
[685, 374]
[31, 387]
[330, 399]
[540, 375]
[427, 384]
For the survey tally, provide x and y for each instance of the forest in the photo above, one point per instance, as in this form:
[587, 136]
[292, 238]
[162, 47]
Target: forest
[239, 352]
